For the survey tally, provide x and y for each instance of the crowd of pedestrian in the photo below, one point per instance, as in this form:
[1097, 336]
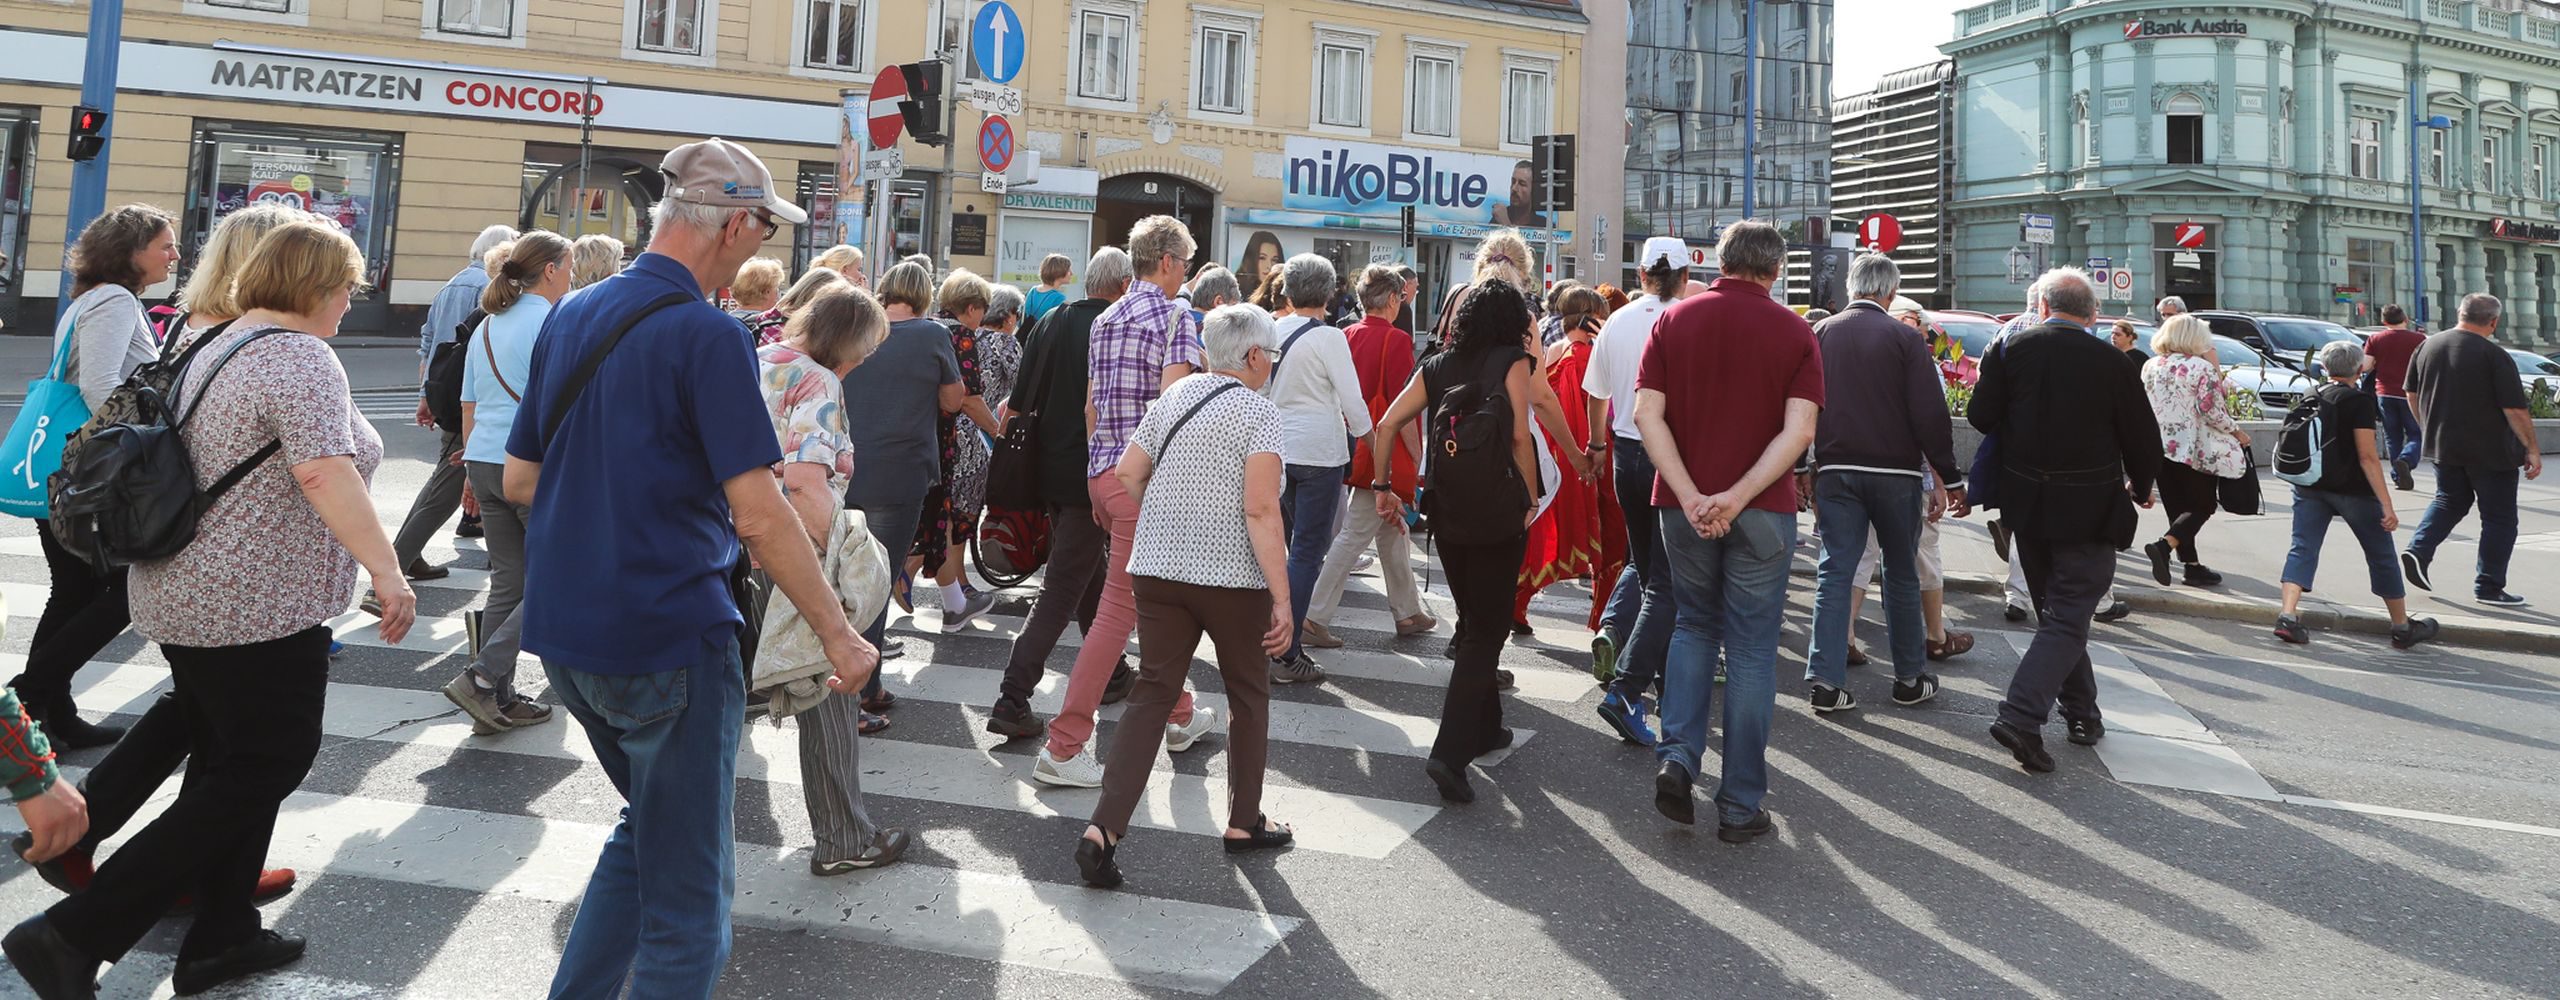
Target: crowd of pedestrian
[702, 482]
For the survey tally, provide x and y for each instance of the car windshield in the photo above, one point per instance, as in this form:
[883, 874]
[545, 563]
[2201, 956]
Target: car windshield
[2294, 336]
[1974, 334]
[2234, 354]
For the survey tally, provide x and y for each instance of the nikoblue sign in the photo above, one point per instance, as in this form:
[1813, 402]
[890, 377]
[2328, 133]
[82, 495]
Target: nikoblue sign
[1360, 178]
[995, 42]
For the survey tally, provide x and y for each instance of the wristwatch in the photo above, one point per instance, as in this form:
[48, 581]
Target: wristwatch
[1381, 487]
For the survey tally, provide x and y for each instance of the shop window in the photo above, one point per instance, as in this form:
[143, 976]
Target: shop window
[608, 191]
[493, 18]
[17, 187]
[2186, 129]
[832, 35]
[2364, 149]
[671, 26]
[347, 178]
[1431, 95]
[1102, 55]
[818, 198]
[1220, 72]
[1528, 101]
[1342, 80]
[2372, 267]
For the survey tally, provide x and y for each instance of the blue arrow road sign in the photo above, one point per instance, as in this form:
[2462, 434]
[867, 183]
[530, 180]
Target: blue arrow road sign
[995, 42]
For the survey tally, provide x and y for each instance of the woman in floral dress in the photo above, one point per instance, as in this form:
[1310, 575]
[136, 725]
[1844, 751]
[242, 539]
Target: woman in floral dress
[941, 536]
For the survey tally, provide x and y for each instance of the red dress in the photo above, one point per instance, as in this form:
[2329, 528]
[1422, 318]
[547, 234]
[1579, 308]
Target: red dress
[1573, 538]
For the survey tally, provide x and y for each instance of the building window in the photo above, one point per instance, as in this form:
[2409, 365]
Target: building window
[671, 26]
[2364, 149]
[2541, 186]
[2490, 140]
[269, 6]
[2186, 129]
[2435, 156]
[1220, 70]
[2372, 267]
[1528, 101]
[1102, 55]
[2080, 148]
[1431, 96]
[834, 36]
[1342, 84]
[495, 18]
[347, 178]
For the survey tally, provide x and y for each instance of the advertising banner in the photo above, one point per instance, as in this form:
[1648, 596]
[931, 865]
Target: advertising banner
[1360, 178]
[850, 109]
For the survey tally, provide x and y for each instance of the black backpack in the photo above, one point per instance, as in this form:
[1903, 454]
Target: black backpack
[132, 496]
[2303, 443]
[445, 373]
[1472, 489]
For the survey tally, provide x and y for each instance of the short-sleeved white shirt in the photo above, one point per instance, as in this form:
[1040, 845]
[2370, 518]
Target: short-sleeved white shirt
[1611, 374]
[1191, 526]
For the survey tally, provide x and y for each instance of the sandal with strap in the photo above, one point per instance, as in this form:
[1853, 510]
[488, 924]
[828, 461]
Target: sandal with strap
[1096, 862]
[1263, 837]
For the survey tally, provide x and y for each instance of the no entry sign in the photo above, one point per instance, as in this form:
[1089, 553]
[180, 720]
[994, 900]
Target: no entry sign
[886, 92]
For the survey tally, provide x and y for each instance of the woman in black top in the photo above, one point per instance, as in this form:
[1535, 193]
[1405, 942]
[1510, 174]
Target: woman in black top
[2351, 491]
[1490, 324]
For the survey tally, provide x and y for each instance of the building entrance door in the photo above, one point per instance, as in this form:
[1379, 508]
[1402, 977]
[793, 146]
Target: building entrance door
[2190, 268]
[1123, 200]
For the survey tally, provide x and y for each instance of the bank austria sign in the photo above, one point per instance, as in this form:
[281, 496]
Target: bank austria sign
[1360, 178]
[2167, 27]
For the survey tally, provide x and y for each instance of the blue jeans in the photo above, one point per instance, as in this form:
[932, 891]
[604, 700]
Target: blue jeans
[1731, 593]
[1640, 609]
[2456, 488]
[2400, 432]
[2312, 510]
[1846, 504]
[656, 912]
[1308, 501]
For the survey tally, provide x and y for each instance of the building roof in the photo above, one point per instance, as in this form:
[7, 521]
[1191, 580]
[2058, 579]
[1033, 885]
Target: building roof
[1916, 78]
[1555, 10]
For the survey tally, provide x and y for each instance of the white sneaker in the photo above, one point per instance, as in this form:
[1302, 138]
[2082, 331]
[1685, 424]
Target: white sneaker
[1079, 771]
[1178, 738]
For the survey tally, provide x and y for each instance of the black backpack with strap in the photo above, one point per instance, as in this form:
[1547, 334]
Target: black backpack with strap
[445, 374]
[1471, 484]
[131, 496]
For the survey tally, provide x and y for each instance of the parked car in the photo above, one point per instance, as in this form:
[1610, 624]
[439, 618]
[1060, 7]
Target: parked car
[1971, 330]
[2535, 368]
[2244, 367]
[2291, 340]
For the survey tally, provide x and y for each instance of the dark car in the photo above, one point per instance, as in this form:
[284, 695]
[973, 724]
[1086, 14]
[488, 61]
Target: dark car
[2294, 341]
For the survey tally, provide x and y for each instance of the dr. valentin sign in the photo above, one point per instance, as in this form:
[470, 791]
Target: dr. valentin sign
[1361, 178]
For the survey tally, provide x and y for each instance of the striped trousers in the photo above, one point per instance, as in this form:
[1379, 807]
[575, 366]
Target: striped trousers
[831, 777]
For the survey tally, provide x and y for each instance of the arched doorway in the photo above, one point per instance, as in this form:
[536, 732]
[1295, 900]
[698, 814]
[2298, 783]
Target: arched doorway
[614, 201]
[1121, 201]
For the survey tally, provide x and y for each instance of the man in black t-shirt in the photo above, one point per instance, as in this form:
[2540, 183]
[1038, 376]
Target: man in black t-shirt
[2470, 405]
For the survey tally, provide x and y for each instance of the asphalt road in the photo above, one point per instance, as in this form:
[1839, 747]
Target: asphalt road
[2377, 824]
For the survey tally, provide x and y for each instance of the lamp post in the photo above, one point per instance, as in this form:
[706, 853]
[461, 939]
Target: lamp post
[2417, 204]
[97, 90]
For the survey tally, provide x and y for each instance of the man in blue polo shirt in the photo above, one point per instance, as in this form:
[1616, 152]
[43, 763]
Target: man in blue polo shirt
[649, 474]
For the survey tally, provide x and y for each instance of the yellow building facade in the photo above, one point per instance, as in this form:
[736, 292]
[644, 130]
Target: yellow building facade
[1303, 126]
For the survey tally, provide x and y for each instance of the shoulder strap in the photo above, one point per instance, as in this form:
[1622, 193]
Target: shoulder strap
[178, 383]
[490, 352]
[62, 351]
[1166, 448]
[1310, 323]
[577, 384]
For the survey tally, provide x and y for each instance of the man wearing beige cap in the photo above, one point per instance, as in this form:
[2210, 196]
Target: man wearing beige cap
[1635, 629]
[643, 427]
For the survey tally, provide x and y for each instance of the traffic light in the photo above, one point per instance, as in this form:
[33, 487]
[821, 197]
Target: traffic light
[88, 132]
[923, 107]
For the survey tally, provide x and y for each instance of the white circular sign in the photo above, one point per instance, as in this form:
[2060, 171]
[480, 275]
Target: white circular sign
[2124, 281]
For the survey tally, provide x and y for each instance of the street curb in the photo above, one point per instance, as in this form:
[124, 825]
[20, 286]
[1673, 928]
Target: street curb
[2481, 633]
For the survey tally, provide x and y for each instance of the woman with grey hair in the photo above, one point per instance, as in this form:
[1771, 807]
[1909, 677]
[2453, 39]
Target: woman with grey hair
[594, 258]
[2350, 489]
[1208, 558]
[1215, 287]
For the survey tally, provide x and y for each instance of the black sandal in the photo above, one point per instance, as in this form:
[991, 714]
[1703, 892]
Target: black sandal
[1262, 838]
[1096, 861]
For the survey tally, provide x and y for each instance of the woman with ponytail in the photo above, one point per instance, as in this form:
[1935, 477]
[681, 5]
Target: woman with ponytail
[523, 286]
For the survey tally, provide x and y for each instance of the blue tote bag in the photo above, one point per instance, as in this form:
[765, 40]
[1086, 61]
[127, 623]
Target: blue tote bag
[33, 449]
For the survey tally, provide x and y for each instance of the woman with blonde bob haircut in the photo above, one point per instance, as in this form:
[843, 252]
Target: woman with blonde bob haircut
[846, 260]
[2201, 442]
[206, 299]
[758, 284]
[241, 613]
[595, 258]
[767, 325]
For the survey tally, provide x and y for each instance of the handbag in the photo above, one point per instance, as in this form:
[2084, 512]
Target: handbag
[52, 411]
[1013, 463]
[2239, 494]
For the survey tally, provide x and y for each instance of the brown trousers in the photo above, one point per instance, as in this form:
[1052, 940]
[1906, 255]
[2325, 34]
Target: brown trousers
[1172, 616]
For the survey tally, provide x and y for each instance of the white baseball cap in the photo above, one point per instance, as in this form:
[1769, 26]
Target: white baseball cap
[1660, 249]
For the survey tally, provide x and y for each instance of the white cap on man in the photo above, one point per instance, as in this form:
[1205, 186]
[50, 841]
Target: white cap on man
[723, 174]
[1661, 249]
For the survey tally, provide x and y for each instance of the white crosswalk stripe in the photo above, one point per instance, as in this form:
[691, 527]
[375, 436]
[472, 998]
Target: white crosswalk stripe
[971, 910]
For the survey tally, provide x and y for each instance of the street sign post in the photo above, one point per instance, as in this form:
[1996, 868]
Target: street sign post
[995, 152]
[2101, 273]
[991, 99]
[2123, 286]
[1880, 232]
[996, 42]
[2036, 228]
[879, 164]
[884, 118]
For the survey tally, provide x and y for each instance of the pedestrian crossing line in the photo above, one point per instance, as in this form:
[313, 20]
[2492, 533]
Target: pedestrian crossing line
[2151, 739]
[1534, 682]
[1327, 822]
[1357, 726]
[1174, 944]
[459, 578]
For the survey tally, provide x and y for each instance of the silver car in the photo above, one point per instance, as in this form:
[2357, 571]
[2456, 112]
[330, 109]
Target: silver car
[2244, 367]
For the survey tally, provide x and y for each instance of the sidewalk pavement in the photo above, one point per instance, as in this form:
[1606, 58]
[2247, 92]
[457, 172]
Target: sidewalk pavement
[2250, 553]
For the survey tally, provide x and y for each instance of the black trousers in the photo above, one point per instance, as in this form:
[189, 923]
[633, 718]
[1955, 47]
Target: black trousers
[252, 715]
[1483, 579]
[134, 771]
[85, 611]
[2067, 580]
[1078, 550]
[2191, 497]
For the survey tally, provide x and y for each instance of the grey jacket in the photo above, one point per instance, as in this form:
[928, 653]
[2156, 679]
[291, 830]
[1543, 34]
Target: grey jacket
[113, 339]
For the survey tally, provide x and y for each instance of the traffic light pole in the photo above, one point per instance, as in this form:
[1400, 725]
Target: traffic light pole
[955, 68]
[97, 90]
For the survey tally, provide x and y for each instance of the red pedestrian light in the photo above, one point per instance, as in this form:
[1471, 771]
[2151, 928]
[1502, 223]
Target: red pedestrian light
[88, 133]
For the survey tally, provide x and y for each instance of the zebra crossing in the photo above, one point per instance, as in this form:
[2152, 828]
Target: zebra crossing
[396, 405]
[409, 822]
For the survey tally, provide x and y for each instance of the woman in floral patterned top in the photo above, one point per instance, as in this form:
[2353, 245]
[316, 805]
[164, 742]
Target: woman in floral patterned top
[803, 379]
[2197, 436]
[942, 535]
